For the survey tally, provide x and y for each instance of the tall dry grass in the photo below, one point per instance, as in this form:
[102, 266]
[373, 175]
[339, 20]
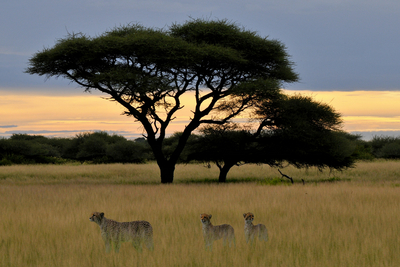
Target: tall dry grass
[340, 224]
[44, 215]
[376, 171]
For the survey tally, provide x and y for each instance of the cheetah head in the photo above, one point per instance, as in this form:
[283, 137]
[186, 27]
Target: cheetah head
[248, 216]
[96, 217]
[205, 218]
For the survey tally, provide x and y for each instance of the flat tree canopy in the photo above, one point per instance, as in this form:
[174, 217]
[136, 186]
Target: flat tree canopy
[295, 130]
[147, 70]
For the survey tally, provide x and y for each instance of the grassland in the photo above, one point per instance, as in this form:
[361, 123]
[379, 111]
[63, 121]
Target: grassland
[335, 219]
[380, 171]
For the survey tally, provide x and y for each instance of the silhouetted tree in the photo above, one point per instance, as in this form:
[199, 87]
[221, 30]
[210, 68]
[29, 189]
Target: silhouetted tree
[293, 129]
[147, 71]
[304, 133]
[224, 145]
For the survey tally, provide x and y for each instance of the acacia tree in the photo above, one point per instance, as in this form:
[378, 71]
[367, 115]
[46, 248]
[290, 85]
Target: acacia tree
[292, 129]
[304, 133]
[148, 70]
[224, 145]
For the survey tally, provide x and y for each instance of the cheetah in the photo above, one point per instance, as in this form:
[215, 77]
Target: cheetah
[113, 233]
[251, 231]
[212, 233]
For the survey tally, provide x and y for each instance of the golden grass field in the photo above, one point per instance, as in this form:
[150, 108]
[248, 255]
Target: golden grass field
[355, 221]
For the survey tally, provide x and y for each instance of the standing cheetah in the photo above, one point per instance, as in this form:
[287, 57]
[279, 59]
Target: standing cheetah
[212, 233]
[113, 233]
[251, 231]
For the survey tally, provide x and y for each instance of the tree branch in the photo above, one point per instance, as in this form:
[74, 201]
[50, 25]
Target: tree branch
[284, 175]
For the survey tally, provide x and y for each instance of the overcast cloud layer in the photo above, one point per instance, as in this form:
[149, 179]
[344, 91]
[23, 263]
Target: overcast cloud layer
[336, 44]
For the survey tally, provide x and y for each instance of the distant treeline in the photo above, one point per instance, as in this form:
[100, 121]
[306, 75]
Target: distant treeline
[97, 147]
[101, 147]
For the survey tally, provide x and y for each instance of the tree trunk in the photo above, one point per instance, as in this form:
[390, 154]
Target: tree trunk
[167, 165]
[167, 172]
[223, 172]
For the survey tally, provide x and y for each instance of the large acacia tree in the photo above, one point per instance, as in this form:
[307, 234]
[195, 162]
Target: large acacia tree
[147, 71]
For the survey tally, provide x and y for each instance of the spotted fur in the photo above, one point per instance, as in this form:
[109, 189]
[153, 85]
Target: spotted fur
[113, 233]
[212, 233]
[252, 231]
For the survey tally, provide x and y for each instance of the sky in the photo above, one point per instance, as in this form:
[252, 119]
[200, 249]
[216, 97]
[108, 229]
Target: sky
[346, 53]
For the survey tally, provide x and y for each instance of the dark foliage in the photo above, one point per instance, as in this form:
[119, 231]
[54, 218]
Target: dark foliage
[386, 147]
[97, 147]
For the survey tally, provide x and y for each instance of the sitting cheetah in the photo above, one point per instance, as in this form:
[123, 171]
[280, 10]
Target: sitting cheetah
[212, 233]
[251, 231]
[113, 233]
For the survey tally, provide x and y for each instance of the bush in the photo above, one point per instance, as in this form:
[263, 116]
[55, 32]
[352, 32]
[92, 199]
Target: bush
[378, 142]
[386, 147]
[97, 147]
[126, 151]
[390, 151]
[5, 162]
[91, 148]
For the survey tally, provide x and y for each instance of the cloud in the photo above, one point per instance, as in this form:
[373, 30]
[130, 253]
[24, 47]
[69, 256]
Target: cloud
[62, 131]
[321, 6]
[336, 44]
[369, 135]
[365, 135]
[183, 7]
[8, 126]
[47, 131]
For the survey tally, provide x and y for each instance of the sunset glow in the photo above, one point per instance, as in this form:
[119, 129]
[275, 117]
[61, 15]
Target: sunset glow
[68, 115]
[363, 110]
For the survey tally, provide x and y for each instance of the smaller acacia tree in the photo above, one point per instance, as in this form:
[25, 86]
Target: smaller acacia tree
[293, 129]
[225, 145]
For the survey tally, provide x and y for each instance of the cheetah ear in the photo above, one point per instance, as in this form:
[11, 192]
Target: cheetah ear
[101, 215]
[244, 215]
[210, 216]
